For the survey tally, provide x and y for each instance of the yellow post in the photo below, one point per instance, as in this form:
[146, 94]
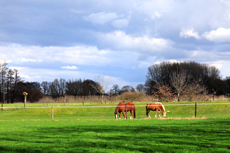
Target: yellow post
[25, 96]
[52, 112]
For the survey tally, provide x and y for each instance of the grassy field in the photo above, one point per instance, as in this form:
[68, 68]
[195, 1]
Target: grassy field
[94, 129]
[216, 109]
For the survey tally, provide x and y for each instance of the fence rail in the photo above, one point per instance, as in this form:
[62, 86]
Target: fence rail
[201, 110]
[113, 106]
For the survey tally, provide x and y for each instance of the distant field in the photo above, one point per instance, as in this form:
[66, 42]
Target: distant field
[94, 129]
[214, 109]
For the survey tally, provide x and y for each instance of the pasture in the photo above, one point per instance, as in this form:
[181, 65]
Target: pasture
[93, 128]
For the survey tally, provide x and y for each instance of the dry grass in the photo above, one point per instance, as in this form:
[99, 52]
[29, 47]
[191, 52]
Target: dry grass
[111, 99]
[97, 99]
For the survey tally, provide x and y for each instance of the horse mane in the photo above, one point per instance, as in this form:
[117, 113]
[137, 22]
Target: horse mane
[161, 105]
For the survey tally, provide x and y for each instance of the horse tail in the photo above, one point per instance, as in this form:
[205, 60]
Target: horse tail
[134, 113]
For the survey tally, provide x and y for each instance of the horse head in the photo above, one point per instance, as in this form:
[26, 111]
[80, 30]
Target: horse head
[164, 113]
[115, 113]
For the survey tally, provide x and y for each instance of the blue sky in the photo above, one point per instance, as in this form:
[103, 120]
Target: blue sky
[81, 39]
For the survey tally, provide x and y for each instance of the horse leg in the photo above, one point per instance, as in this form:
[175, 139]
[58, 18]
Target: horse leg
[156, 113]
[160, 114]
[131, 117]
[124, 114]
[147, 112]
[119, 115]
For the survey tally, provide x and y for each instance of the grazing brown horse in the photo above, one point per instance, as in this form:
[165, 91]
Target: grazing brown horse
[155, 107]
[125, 107]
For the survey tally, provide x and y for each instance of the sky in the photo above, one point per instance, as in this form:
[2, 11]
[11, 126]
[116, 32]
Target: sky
[114, 39]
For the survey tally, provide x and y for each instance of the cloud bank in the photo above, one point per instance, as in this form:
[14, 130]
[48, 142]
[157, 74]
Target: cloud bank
[80, 39]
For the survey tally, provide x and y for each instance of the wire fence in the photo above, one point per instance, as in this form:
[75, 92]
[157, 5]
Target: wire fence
[174, 111]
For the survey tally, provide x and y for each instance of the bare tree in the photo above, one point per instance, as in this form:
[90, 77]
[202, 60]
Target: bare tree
[179, 81]
[45, 87]
[16, 80]
[195, 90]
[140, 88]
[101, 86]
[57, 88]
[115, 89]
[9, 83]
[163, 92]
[62, 83]
[126, 88]
[161, 72]
[3, 72]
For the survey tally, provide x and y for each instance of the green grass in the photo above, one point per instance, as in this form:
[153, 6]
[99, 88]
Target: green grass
[94, 129]
[150, 135]
[102, 111]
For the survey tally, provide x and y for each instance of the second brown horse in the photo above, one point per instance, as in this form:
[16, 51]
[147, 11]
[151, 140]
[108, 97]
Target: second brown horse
[125, 107]
[155, 107]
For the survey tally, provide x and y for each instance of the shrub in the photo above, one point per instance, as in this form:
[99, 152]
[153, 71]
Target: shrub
[164, 93]
[132, 96]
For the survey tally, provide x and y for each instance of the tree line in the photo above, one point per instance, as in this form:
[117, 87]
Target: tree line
[163, 80]
[186, 78]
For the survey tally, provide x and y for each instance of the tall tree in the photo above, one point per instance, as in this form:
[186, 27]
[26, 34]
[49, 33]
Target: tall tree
[102, 84]
[88, 87]
[193, 90]
[57, 88]
[16, 80]
[126, 88]
[74, 87]
[163, 92]
[115, 89]
[9, 84]
[179, 81]
[3, 72]
[45, 87]
[34, 93]
[140, 88]
[162, 72]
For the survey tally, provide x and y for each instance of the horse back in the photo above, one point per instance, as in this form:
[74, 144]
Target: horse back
[153, 106]
[130, 106]
[125, 106]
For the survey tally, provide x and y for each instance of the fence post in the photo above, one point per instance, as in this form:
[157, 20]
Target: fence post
[195, 108]
[25, 96]
[64, 100]
[126, 111]
[52, 112]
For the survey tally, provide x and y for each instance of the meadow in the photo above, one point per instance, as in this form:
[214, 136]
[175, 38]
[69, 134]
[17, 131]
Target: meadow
[93, 128]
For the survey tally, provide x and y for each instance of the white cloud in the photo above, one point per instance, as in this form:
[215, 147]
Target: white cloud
[145, 64]
[156, 15]
[219, 35]
[117, 80]
[77, 55]
[218, 64]
[39, 75]
[189, 33]
[101, 17]
[29, 60]
[76, 11]
[70, 67]
[119, 40]
[120, 23]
